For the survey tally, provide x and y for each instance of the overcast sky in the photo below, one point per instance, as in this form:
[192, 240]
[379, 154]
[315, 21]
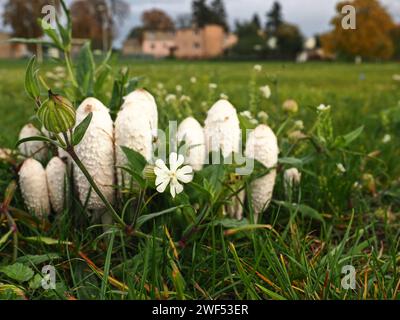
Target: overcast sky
[313, 16]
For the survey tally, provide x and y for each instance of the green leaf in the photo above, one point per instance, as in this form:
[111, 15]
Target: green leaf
[18, 272]
[143, 219]
[305, 210]
[4, 238]
[291, 161]
[85, 69]
[30, 41]
[31, 81]
[51, 33]
[36, 138]
[136, 161]
[81, 129]
[48, 241]
[38, 259]
[271, 294]
[344, 141]
[36, 282]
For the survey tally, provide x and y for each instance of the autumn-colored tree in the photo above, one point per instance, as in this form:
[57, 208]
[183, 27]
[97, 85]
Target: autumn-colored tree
[157, 20]
[371, 39]
[97, 20]
[22, 16]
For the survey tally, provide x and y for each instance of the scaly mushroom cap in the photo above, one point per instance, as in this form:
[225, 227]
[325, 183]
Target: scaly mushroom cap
[222, 129]
[146, 103]
[56, 172]
[35, 149]
[132, 130]
[262, 145]
[33, 184]
[96, 151]
[191, 132]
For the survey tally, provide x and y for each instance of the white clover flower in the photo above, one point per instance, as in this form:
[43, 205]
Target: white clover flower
[290, 106]
[246, 114]
[262, 115]
[323, 108]
[266, 91]
[213, 86]
[204, 104]
[299, 124]
[341, 168]
[396, 77]
[193, 80]
[51, 75]
[170, 98]
[185, 99]
[258, 68]
[179, 88]
[387, 138]
[160, 86]
[254, 121]
[223, 96]
[173, 175]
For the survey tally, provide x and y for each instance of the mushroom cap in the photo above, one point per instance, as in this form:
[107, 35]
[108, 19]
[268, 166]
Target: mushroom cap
[96, 151]
[56, 172]
[191, 132]
[33, 184]
[145, 103]
[35, 149]
[262, 145]
[222, 129]
[132, 130]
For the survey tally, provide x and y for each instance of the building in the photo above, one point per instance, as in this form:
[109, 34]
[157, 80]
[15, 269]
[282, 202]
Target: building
[159, 44]
[11, 50]
[188, 43]
[208, 42]
[132, 47]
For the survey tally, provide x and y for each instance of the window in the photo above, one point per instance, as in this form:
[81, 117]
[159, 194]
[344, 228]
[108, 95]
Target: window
[196, 45]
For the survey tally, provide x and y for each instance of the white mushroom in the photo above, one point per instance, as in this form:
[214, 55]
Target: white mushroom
[35, 149]
[222, 133]
[146, 103]
[192, 134]
[132, 130]
[56, 172]
[222, 129]
[262, 145]
[96, 151]
[33, 184]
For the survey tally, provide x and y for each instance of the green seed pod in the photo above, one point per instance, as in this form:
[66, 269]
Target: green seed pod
[57, 114]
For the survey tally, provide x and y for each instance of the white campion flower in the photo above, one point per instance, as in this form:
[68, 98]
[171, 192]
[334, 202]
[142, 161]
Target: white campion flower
[262, 115]
[266, 91]
[185, 99]
[258, 68]
[246, 114]
[193, 80]
[179, 88]
[396, 77]
[323, 108]
[299, 124]
[173, 175]
[160, 86]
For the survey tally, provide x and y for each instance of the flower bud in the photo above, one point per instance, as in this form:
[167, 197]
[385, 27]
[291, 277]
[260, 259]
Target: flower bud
[57, 114]
[290, 106]
[149, 174]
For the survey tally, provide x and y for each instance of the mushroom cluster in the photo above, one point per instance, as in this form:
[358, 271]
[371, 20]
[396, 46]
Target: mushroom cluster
[136, 127]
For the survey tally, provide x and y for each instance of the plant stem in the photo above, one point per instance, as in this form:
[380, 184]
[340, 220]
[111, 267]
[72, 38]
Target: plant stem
[69, 67]
[93, 184]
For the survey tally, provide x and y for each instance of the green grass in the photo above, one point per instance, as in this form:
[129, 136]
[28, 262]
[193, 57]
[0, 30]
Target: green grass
[299, 255]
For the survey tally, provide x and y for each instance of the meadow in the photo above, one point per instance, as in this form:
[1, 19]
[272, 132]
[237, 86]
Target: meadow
[346, 210]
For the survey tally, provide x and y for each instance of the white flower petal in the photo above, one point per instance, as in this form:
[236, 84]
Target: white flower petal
[173, 159]
[161, 164]
[185, 174]
[161, 188]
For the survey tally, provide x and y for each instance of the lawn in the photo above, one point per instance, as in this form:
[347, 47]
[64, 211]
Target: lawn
[346, 210]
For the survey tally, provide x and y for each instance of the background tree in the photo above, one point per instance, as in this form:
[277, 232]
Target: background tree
[219, 15]
[250, 44]
[215, 13]
[97, 20]
[256, 21]
[22, 15]
[370, 40]
[184, 21]
[157, 20]
[395, 34]
[274, 19]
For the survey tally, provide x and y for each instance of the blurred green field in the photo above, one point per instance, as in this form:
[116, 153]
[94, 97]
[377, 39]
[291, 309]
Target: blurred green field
[357, 93]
